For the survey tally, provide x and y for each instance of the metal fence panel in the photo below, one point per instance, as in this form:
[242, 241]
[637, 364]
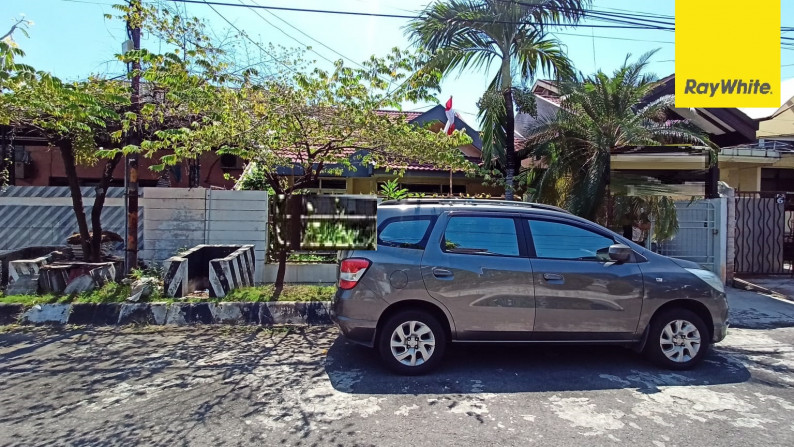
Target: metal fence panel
[696, 239]
[760, 233]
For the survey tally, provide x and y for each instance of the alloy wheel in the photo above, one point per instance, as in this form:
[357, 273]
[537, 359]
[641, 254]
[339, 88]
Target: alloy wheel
[412, 343]
[680, 341]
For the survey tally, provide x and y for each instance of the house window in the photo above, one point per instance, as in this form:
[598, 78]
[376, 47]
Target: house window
[229, 161]
[327, 186]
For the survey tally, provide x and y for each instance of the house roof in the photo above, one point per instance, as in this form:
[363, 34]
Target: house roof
[726, 126]
[409, 116]
[434, 114]
[786, 96]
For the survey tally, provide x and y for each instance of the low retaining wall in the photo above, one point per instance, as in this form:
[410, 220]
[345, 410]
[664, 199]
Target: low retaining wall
[108, 314]
[303, 273]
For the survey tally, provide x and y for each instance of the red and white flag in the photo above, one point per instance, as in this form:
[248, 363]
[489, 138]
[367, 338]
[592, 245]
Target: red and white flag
[450, 127]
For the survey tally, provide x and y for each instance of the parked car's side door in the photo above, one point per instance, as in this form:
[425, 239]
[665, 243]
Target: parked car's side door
[477, 265]
[580, 293]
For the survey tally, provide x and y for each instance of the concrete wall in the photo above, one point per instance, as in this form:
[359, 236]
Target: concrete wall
[174, 218]
[303, 273]
[742, 178]
[182, 218]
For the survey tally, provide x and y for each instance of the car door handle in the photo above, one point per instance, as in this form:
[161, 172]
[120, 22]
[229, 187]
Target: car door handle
[442, 273]
[552, 277]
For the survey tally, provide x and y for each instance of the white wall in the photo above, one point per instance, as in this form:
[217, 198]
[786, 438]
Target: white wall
[178, 218]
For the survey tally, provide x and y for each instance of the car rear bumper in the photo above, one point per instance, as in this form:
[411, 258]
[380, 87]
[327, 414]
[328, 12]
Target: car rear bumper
[358, 331]
[351, 311]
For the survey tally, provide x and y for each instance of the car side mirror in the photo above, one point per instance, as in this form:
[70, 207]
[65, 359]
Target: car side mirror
[620, 252]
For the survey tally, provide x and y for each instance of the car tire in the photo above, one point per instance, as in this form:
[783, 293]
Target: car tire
[677, 339]
[412, 342]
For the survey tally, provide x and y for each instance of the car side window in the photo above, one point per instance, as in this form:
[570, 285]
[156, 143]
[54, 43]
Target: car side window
[409, 232]
[481, 235]
[556, 240]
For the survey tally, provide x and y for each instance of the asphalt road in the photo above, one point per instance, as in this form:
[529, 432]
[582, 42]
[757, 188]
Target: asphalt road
[243, 386]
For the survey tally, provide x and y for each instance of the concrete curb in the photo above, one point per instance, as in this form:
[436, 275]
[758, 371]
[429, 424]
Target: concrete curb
[743, 284]
[315, 313]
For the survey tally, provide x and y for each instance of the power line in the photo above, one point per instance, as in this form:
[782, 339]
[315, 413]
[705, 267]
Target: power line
[288, 35]
[395, 16]
[308, 36]
[242, 33]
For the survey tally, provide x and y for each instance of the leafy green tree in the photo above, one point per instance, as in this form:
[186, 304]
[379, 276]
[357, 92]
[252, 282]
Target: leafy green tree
[90, 121]
[476, 34]
[321, 121]
[12, 75]
[76, 118]
[599, 114]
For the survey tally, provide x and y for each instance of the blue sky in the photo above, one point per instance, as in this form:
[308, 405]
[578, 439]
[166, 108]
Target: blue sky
[72, 39]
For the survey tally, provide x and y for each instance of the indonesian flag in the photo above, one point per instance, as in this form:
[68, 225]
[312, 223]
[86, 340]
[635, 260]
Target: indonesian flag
[450, 127]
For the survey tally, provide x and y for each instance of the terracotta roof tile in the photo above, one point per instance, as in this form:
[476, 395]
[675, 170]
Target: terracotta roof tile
[408, 116]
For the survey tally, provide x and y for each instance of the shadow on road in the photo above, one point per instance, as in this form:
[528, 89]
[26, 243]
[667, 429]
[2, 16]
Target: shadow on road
[486, 368]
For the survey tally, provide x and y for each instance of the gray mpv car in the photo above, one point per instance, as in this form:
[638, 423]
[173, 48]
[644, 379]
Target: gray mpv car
[481, 270]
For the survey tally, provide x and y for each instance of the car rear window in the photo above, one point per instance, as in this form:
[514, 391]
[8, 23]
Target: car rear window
[405, 232]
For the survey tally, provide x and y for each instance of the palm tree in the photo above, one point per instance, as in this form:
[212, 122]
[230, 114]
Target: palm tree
[475, 34]
[598, 114]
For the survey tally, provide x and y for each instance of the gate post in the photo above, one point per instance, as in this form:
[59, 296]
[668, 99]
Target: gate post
[730, 234]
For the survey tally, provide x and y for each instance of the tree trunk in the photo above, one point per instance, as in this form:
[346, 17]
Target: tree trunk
[67, 154]
[282, 269]
[509, 126]
[99, 203]
[510, 149]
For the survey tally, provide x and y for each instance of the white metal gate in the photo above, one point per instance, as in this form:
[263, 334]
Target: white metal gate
[698, 237]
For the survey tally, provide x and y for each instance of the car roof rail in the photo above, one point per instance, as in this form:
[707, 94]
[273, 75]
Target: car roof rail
[484, 202]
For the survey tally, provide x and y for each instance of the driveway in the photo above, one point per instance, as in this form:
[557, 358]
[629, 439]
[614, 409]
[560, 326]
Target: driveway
[241, 386]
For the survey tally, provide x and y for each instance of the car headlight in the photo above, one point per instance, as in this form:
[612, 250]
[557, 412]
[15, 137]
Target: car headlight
[709, 278]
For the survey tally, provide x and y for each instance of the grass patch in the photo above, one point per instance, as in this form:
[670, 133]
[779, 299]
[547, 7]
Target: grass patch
[109, 293]
[118, 293]
[28, 300]
[290, 293]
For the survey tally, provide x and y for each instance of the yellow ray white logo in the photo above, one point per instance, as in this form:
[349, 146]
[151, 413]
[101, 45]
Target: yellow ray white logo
[727, 54]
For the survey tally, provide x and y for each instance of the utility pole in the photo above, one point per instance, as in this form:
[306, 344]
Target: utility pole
[131, 165]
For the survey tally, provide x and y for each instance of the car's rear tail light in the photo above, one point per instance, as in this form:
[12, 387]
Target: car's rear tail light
[351, 270]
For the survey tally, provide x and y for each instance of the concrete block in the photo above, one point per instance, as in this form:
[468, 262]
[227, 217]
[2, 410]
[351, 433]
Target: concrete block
[228, 313]
[26, 267]
[96, 314]
[47, 313]
[82, 283]
[318, 313]
[177, 314]
[23, 285]
[84, 314]
[159, 312]
[201, 313]
[136, 313]
[282, 313]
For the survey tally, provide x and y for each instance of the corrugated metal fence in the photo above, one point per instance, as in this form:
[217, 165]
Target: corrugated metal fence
[175, 219]
[43, 215]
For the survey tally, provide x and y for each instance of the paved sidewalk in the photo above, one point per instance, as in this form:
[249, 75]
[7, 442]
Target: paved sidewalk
[780, 284]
